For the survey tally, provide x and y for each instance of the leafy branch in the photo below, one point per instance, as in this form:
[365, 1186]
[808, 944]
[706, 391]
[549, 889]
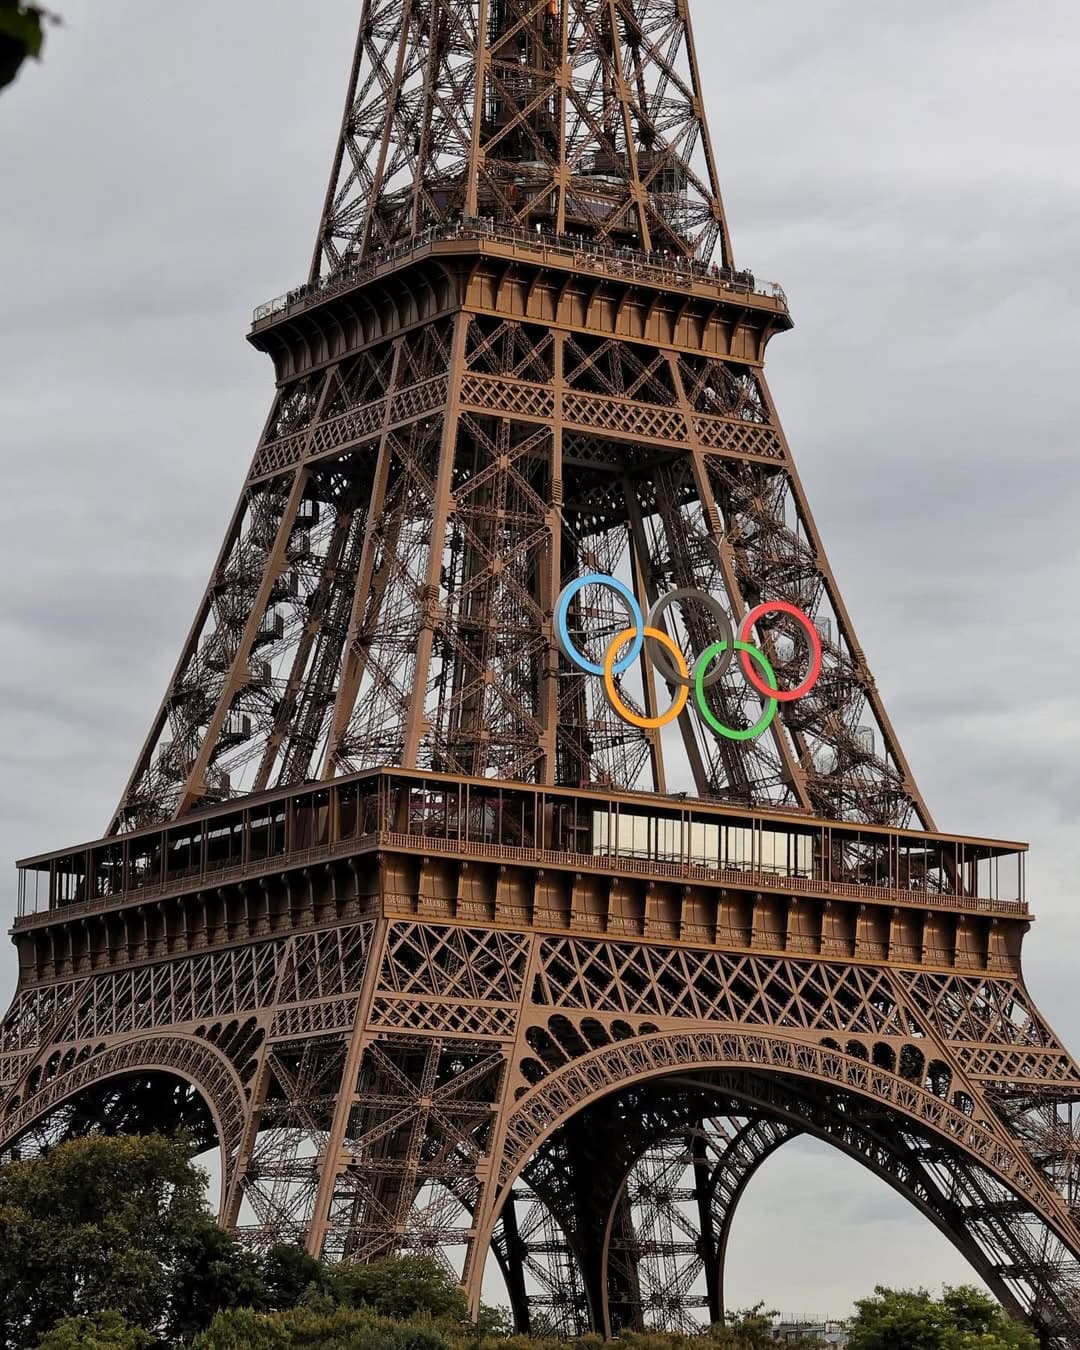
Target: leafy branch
[22, 35]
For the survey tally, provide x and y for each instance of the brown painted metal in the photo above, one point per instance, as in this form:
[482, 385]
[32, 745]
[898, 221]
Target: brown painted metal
[393, 908]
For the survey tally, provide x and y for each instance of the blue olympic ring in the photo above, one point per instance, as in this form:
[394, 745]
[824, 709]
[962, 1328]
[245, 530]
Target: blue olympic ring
[562, 631]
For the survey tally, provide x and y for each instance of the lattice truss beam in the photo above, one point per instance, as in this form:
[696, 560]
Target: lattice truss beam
[397, 1123]
[386, 595]
[570, 115]
[416, 1135]
[289, 1129]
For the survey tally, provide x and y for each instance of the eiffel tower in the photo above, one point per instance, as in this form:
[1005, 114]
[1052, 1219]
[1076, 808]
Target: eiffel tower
[427, 923]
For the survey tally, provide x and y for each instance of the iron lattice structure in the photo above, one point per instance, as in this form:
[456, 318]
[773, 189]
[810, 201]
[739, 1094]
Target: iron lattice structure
[441, 953]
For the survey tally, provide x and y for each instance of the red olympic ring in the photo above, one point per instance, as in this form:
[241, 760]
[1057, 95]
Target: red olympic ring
[781, 607]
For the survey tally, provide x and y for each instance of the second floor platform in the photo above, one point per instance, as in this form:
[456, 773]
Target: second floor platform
[670, 869]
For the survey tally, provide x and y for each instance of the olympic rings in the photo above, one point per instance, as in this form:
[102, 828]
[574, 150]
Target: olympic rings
[627, 714]
[730, 733]
[719, 613]
[648, 635]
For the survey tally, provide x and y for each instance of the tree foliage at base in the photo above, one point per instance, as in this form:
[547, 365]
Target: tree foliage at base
[106, 1331]
[108, 1244]
[962, 1319]
[365, 1329]
[121, 1226]
[409, 1303]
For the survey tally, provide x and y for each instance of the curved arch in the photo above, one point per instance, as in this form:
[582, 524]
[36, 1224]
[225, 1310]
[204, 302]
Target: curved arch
[755, 1145]
[560, 1095]
[581, 1190]
[193, 1061]
[659, 1266]
[900, 1164]
[976, 1145]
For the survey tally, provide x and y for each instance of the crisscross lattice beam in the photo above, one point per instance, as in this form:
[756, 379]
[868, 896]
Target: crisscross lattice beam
[578, 116]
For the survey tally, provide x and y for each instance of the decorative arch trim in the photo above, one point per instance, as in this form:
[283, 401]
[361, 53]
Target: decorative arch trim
[554, 1100]
[195, 1061]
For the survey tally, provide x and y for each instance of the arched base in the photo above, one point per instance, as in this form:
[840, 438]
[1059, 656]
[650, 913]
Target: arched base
[153, 1102]
[138, 1086]
[659, 1203]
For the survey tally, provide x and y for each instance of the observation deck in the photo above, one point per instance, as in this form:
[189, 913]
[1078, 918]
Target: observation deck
[574, 253]
[478, 851]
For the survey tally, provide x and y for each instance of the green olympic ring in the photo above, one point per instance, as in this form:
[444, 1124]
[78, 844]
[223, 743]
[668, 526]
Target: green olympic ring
[717, 649]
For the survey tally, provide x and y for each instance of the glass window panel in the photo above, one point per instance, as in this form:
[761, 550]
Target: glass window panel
[601, 832]
[705, 844]
[738, 846]
[669, 844]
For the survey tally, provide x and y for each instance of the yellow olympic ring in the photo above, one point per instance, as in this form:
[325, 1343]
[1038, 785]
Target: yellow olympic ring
[645, 723]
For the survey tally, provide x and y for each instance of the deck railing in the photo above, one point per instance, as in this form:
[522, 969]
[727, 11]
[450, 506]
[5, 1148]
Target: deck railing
[585, 255]
[920, 894]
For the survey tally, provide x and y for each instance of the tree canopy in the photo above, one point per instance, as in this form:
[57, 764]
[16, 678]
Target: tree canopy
[108, 1244]
[105, 1331]
[962, 1319]
[22, 35]
[100, 1226]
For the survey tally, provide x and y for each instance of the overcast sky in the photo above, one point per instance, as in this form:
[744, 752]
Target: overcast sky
[909, 173]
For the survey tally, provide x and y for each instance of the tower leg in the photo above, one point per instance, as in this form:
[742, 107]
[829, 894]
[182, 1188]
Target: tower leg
[514, 1255]
[707, 1243]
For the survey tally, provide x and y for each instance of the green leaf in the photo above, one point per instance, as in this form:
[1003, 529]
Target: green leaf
[23, 27]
